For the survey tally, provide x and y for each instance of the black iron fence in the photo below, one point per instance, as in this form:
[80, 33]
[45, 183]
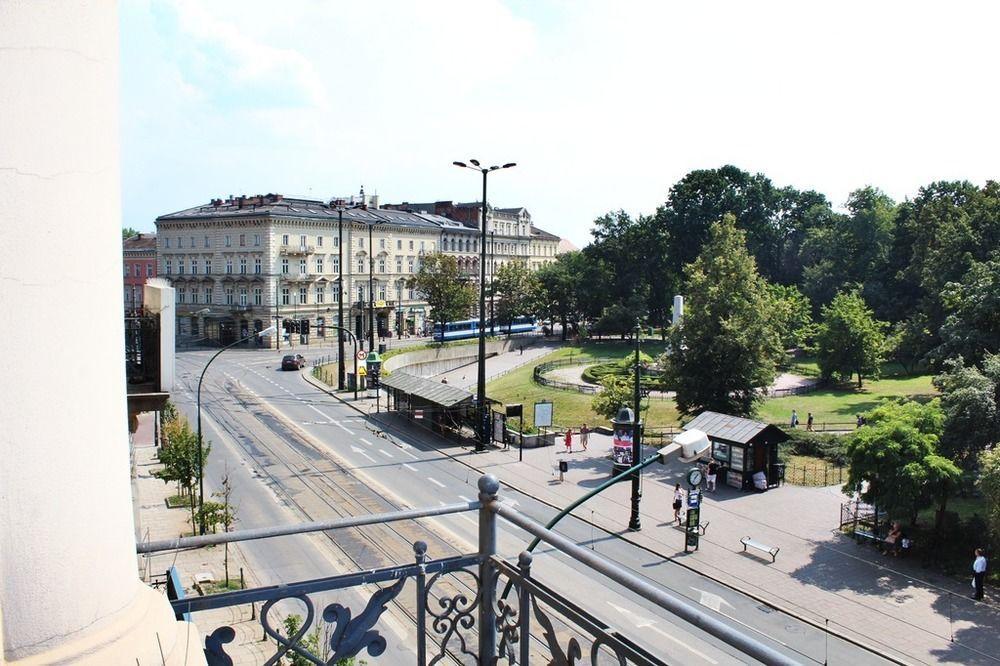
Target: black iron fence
[818, 474]
[142, 352]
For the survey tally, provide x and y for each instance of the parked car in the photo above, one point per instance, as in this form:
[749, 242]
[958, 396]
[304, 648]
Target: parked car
[293, 362]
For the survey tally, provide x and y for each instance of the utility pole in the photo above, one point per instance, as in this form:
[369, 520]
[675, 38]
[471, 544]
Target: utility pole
[634, 522]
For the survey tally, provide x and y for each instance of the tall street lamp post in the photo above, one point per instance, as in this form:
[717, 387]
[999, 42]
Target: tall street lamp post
[634, 523]
[482, 416]
[340, 206]
[201, 463]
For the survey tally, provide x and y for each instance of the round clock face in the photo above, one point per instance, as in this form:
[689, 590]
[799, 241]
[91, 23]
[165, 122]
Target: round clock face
[694, 477]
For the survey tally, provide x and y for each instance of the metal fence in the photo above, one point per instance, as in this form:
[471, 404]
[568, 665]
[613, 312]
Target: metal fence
[819, 474]
[457, 608]
[538, 374]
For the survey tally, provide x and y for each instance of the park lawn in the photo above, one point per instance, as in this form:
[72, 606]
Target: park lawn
[843, 404]
[570, 408]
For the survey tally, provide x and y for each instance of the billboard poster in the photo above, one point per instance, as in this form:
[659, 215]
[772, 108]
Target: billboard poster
[543, 414]
[621, 440]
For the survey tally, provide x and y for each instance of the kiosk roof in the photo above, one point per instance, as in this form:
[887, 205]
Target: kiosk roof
[428, 389]
[733, 428]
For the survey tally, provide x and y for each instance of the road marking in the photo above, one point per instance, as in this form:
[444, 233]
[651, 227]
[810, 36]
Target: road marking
[640, 622]
[435, 481]
[365, 441]
[386, 453]
[410, 454]
[410, 467]
[464, 498]
[711, 600]
[362, 452]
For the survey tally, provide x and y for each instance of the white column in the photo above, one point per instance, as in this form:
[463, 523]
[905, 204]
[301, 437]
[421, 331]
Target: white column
[69, 591]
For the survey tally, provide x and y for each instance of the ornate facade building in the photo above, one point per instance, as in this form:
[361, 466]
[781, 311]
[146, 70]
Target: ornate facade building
[139, 263]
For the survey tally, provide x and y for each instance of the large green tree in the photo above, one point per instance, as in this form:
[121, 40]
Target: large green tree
[970, 398]
[792, 315]
[972, 307]
[446, 290]
[989, 484]
[725, 350]
[515, 290]
[560, 289]
[849, 340]
[128, 232]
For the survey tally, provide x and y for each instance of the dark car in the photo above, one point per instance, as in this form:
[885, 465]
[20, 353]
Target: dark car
[293, 362]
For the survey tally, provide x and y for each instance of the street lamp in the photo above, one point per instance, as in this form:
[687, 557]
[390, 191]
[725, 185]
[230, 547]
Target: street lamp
[201, 471]
[371, 286]
[634, 523]
[340, 206]
[482, 426]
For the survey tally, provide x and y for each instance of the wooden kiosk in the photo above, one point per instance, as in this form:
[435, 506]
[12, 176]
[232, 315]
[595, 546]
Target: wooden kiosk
[742, 447]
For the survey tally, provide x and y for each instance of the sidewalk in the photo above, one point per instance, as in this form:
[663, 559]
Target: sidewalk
[892, 606]
[496, 366]
[157, 522]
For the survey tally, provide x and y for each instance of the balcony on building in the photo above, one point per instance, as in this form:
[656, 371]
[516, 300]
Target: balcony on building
[292, 250]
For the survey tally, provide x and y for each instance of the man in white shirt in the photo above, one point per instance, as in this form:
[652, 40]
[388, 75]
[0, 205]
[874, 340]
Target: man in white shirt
[978, 574]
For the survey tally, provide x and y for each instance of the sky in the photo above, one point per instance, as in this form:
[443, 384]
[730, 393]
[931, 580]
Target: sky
[602, 105]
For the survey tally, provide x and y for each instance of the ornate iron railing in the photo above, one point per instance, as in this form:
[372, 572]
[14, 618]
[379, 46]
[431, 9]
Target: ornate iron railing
[456, 603]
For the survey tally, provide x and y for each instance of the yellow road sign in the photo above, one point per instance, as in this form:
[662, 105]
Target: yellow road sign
[362, 372]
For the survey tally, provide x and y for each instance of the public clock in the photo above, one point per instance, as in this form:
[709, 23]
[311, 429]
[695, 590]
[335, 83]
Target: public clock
[694, 477]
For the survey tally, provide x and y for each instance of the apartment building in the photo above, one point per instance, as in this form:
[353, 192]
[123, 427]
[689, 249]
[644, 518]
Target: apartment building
[243, 263]
[139, 265]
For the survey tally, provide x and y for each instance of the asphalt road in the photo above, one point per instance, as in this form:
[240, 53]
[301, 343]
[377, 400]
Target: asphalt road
[408, 470]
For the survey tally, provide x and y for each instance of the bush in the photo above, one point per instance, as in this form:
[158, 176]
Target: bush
[832, 448]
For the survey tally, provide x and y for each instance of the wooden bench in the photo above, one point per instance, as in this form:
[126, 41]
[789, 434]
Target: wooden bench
[756, 545]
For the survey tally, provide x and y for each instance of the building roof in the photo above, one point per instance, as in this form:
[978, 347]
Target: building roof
[566, 246]
[732, 428]
[542, 234]
[427, 389]
[143, 241]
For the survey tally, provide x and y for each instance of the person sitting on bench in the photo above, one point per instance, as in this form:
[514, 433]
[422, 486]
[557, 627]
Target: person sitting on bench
[893, 541]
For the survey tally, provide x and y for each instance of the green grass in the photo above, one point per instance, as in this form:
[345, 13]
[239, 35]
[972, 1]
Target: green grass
[569, 407]
[842, 404]
[177, 501]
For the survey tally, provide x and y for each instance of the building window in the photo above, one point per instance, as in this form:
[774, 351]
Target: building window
[181, 295]
[258, 296]
[167, 268]
[167, 243]
[361, 264]
[361, 293]
[452, 244]
[149, 270]
[399, 264]
[208, 267]
[336, 241]
[336, 264]
[468, 244]
[243, 265]
[409, 264]
[319, 241]
[302, 295]
[381, 243]
[136, 270]
[180, 242]
[381, 292]
[126, 270]
[243, 240]
[284, 266]
[208, 295]
[411, 245]
[208, 243]
[243, 296]
[284, 239]
[381, 264]
[302, 241]
[410, 294]
[302, 267]
[399, 244]
[421, 245]
[319, 265]
[320, 294]
[336, 294]
[229, 266]
[229, 241]
[256, 265]
[361, 242]
[229, 295]
[194, 267]
[284, 296]
[256, 240]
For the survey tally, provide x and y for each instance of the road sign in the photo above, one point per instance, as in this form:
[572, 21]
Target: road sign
[362, 354]
[362, 372]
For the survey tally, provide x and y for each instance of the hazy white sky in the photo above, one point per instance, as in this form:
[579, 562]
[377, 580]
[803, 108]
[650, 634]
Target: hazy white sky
[603, 105]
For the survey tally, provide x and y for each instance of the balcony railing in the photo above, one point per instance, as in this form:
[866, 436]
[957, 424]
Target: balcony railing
[296, 249]
[458, 608]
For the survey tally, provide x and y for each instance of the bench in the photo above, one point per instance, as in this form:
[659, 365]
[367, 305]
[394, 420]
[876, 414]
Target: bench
[861, 536]
[756, 545]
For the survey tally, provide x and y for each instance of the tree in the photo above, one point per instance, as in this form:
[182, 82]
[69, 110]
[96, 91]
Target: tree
[792, 315]
[850, 340]
[517, 289]
[128, 232]
[616, 391]
[910, 341]
[726, 348]
[179, 456]
[989, 484]
[560, 288]
[445, 289]
[970, 399]
[972, 322]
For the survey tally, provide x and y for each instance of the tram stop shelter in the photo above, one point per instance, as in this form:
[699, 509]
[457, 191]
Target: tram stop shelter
[442, 407]
[742, 448]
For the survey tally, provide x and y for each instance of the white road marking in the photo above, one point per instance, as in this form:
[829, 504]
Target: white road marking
[464, 498]
[410, 467]
[710, 600]
[365, 441]
[640, 622]
[410, 454]
[435, 481]
[461, 515]
[362, 452]
[386, 453]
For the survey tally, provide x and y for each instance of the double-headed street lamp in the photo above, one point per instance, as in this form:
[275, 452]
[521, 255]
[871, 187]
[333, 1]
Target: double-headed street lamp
[340, 206]
[482, 415]
[201, 463]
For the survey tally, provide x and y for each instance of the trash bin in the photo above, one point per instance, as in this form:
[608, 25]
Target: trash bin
[351, 381]
[381, 348]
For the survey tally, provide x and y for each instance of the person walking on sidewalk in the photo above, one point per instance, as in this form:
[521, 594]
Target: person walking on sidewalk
[978, 574]
[584, 436]
[794, 421]
[809, 422]
[678, 502]
[569, 440]
[713, 471]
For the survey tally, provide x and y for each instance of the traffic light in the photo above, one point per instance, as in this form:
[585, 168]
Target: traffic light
[304, 326]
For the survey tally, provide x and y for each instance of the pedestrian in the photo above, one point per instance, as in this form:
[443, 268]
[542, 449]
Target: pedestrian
[521, 349]
[860, 421]
[978, 574]
[713, 470]
[584, 436]
[809, 422]
[569, 440]
[795, 419]
[444, 380]
[678, 502]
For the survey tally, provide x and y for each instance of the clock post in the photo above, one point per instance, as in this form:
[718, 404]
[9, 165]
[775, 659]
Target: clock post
[693, 523]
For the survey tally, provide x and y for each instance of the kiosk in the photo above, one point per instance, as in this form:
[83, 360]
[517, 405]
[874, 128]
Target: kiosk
[621, 440]
[743, 448]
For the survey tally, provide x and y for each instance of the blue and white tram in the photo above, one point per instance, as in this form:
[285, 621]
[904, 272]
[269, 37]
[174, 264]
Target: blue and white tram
[469, 328]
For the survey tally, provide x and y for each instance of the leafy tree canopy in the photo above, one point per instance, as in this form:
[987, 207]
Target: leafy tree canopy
[445, 289]
[970, 399]
[849, 340]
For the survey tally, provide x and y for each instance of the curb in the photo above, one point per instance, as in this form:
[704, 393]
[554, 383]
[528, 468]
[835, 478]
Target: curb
[813, 623]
